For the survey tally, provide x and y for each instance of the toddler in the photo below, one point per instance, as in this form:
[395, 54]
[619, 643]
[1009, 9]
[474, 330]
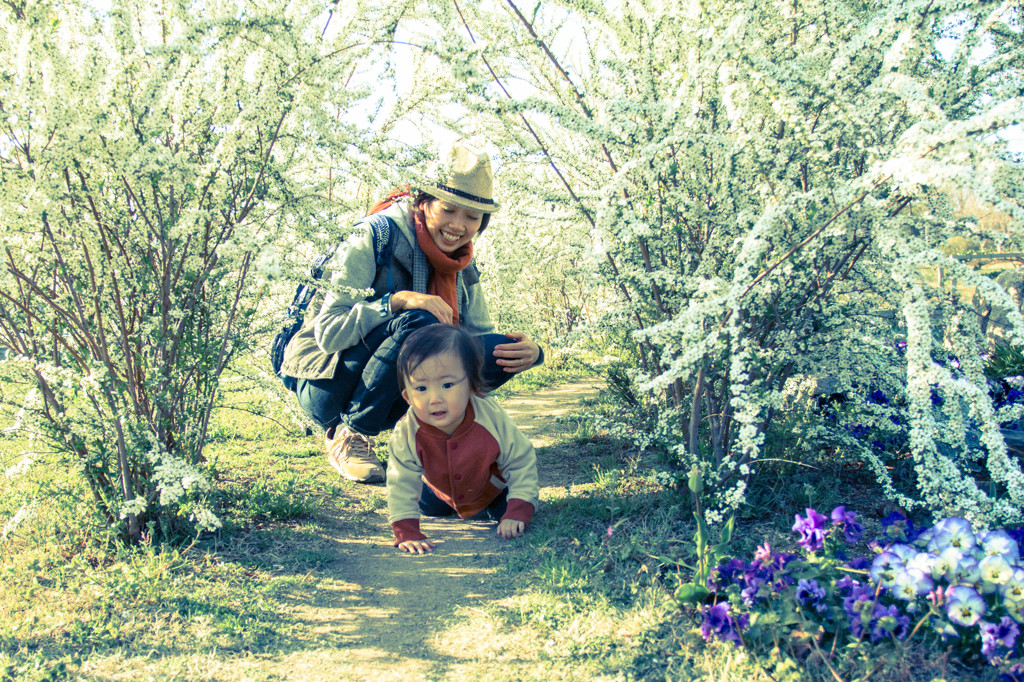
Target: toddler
[454, 451]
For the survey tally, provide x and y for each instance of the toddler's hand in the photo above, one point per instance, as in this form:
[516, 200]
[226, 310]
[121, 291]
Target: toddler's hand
[416, 546]
[510, 528]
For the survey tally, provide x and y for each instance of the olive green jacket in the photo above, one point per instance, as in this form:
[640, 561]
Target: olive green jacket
[351, 307]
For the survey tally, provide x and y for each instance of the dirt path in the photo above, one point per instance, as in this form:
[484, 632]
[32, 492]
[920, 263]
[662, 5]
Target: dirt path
[378, 614]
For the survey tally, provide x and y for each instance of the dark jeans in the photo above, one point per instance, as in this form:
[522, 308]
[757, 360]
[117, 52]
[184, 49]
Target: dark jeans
[364, 393]
[432, 505]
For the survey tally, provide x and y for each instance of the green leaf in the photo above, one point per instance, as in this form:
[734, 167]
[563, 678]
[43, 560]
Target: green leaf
[727, 530]
[701, 537]
[691, 593]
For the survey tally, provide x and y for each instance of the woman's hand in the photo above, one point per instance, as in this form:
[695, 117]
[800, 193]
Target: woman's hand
[411, 300]
[518, 356]
[416, 546]
[510, 528]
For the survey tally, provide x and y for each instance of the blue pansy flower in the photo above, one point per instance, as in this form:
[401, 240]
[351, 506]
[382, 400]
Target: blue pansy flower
[953, 532]
[1013, 589]
[1015, 608]
[966, 571]
[995, 571]
[944, 564]
[999, 543]
[912, 583]
[896, 526]
[885, 568]
[905, 552]
[964, 605]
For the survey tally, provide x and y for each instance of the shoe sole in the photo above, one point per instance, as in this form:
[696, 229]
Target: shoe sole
[372, 478]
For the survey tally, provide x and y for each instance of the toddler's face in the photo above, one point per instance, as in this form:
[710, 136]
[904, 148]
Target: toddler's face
[438, 391]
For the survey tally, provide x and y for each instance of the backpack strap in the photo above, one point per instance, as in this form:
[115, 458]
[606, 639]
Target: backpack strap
[304, 293]
[383, 229]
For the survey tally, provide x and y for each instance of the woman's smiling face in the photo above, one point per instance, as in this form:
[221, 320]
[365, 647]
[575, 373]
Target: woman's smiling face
[450, 226]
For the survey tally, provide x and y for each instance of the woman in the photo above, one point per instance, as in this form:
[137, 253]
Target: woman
[345, 357]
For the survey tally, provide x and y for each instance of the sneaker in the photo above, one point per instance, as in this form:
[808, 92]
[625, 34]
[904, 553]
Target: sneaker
[351, 456]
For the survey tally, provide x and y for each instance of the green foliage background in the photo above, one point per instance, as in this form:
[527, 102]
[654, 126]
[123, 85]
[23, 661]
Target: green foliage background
[722, 206]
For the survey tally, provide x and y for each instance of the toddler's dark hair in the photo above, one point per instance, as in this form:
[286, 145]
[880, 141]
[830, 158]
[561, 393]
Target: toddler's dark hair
[436, 339]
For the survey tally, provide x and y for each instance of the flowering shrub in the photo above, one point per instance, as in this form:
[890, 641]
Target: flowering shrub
[766, 204]
[147, 157]
[948, 582]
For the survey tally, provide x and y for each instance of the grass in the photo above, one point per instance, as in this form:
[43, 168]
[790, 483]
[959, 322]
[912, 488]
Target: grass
[587, 594]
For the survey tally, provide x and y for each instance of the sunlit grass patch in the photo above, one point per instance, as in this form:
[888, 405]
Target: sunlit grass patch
[76, 603]
[584, 636]
[119, 604]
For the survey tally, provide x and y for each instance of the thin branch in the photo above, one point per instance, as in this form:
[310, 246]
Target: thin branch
[558, 67]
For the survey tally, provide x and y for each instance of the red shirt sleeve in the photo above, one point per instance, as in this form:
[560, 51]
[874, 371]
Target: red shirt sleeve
[407, 529]
[518, 510]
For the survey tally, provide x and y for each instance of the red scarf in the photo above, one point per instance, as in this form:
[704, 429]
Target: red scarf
[445, 267]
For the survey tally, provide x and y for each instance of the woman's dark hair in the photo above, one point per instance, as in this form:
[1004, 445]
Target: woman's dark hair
[422, 198]
[435, 339]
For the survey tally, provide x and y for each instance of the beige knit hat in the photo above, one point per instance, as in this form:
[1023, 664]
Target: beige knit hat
[469, 180]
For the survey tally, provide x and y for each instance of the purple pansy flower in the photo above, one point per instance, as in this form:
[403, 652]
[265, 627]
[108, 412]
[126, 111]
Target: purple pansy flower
[749, 594]
[857, 605]
[811, 530]
[852, 530]
[889, 621]
[998, 639]
[811, 594]
[727, 573]
[718, 622]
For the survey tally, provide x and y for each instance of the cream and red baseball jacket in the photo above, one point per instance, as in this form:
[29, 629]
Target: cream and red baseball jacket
[468, 470]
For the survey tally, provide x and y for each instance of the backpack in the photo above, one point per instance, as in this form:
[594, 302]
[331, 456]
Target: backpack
[383, 229]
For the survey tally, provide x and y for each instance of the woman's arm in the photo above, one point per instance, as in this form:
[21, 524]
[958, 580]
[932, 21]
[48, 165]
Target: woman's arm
[411, 300]
[519, 355]
[346, 316]
[516, 356]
